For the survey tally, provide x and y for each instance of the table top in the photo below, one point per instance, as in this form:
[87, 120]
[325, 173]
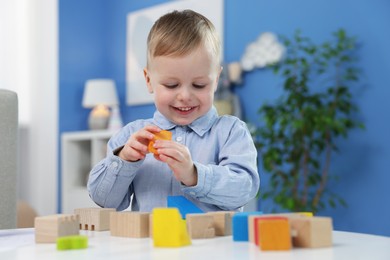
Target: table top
[20, 244]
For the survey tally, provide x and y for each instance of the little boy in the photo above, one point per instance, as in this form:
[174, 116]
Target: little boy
[211, 159]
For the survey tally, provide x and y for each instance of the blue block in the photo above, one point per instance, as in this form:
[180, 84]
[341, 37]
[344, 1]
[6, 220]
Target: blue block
[240, 225]
[184, 205]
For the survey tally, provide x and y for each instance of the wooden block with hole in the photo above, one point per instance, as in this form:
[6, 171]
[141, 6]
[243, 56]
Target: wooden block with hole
[200, 226]
[222, 221]
[129, 224]
[312, 232]
[94, 219]
[273, 233]
[49, 228]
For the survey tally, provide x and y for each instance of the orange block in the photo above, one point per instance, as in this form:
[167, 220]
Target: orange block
[162, 135]
[274, 233]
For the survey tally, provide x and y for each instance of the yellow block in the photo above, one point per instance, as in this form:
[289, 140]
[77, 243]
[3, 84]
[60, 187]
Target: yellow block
[169, 229]
[307, 214]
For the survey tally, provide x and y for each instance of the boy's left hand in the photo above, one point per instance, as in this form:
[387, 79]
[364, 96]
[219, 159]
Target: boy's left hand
[179, 160]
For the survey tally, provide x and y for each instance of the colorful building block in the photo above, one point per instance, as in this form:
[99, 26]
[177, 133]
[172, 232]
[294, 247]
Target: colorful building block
[251, 227]
[95, 219]
[312, 232]
[240, 225]
[184, 205]
[200, 226]
[169, 229]
[49, 228]
[129, 224]
[222, 222]
[162, 135]
[273, 233]
[72, 242]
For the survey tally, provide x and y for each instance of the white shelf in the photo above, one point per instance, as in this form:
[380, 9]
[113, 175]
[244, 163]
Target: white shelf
[80, 152]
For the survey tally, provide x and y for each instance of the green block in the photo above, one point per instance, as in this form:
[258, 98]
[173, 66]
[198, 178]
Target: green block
[72, 242]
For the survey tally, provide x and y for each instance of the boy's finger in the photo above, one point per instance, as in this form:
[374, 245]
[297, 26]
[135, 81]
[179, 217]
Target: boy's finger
[152, 128]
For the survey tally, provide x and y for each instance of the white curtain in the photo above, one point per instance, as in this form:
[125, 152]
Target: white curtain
[29, 66]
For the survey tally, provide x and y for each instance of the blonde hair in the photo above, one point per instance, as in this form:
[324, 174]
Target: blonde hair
[179, 32]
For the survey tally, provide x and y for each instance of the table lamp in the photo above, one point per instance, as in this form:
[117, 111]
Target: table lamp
[99, 94]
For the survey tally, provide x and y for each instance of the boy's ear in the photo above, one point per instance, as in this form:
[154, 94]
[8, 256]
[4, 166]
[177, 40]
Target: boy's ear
[147, 80]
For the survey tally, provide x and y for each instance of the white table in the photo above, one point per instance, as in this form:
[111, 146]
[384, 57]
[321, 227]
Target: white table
[20, 244]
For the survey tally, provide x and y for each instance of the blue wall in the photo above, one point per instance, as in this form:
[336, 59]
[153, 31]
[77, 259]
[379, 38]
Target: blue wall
[93, 44]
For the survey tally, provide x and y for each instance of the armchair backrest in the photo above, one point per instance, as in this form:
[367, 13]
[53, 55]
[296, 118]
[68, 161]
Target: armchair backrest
[8, 157]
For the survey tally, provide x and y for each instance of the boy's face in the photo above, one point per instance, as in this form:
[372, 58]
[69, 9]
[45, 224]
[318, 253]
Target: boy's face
[183, 86]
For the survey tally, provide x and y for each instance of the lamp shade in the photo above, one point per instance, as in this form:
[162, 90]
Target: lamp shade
[100, 92]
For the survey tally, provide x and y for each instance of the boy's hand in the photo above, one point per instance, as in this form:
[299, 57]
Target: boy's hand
[136, 147]
[179, 160]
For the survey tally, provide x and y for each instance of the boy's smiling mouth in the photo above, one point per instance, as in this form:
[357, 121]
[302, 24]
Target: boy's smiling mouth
[184, 110]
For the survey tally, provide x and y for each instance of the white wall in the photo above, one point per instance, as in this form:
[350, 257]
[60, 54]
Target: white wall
[29, 66]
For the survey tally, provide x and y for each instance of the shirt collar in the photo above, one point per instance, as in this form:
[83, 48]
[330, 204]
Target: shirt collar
[200, 126]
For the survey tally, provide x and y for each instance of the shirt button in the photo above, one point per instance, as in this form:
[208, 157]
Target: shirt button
[114, 164]
[179, 138]
[192, 193]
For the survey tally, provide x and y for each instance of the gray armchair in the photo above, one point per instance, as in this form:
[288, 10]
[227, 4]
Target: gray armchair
[8, 157]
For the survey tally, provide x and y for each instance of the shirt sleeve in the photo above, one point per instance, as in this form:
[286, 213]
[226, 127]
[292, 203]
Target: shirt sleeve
[110, 181]
[234, 180]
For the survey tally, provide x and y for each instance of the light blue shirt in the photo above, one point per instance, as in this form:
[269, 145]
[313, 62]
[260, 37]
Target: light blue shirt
[222, 150]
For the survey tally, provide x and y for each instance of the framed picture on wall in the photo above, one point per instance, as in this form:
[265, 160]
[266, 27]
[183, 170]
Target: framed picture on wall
[138, 26]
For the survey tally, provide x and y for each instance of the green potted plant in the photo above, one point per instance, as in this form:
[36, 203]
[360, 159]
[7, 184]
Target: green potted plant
[302, 128]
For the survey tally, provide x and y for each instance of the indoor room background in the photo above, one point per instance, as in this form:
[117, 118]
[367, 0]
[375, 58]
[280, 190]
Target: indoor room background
[92, 44]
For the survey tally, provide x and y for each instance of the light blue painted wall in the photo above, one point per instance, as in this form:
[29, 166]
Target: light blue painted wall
[93, 44]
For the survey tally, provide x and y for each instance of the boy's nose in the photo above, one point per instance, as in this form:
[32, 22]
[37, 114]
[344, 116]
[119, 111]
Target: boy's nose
[184, 93]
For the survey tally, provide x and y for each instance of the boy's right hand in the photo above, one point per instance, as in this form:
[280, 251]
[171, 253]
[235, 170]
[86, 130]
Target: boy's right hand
[136, 147]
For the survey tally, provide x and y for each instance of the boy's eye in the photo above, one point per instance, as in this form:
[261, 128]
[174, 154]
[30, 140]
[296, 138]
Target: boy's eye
[198, 85]
[170, 86]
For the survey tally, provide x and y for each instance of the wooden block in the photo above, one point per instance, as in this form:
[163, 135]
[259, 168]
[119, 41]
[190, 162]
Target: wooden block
[200, 226]
[49, 228]
[169, 229]
[222, 222]
[95, 219]
[184, 205]
[72, 242]
[240, 225]
[151, 225]
[129, 224]
[312, 232]
[162, 135]
[251, 227]
[273, 233]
